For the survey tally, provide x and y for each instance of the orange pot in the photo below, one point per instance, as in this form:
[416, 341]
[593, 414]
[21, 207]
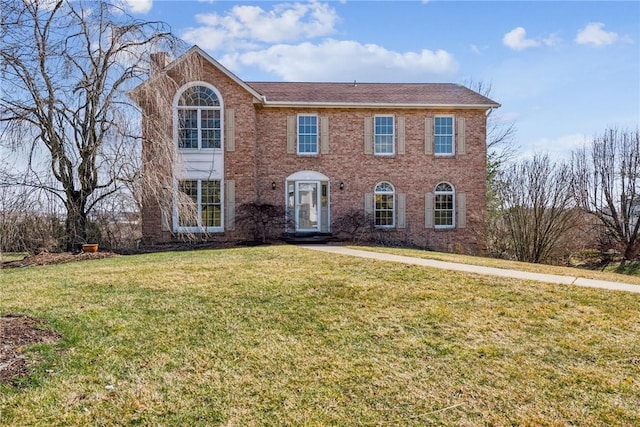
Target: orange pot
[90, 247]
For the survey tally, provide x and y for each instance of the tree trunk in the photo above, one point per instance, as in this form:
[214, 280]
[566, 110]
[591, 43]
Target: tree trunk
[76, 222]
[631, 251]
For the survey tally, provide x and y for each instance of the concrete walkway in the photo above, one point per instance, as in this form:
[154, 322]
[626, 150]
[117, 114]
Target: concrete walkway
[476, 269]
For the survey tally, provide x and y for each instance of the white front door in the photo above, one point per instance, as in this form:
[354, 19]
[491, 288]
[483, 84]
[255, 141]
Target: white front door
[307, 206]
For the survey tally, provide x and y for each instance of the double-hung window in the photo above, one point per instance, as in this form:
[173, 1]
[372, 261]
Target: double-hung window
[199, 119]
[443, 135]
[384, 135]
[199, 205]
[307, 134]
[384, 205]
[444, 207]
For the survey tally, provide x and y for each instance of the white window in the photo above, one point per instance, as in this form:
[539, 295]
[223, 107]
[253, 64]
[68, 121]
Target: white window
[384, 205]
[198, 116]
[384, 135]
[443, 135]
[444, 206]
[307, 134]
[199, 206]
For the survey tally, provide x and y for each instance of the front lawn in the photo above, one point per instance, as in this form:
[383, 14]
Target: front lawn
[286, 336]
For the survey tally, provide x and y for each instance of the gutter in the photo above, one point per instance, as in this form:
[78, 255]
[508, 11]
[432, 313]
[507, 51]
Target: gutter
[351, 105]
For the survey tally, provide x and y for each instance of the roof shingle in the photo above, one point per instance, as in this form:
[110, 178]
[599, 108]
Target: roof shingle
[418, 94]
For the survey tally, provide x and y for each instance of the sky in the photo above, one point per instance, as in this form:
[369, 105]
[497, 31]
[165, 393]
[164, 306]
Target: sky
[563, 71]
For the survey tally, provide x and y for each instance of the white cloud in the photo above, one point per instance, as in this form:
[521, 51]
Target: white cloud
[478, 50]
[516, 39]
[558, 148]
[552, 40]
[507, 116]
[138, 6]
[595, 35]
[335, 60]
[48, 5]
[289, 41]
[246, 26]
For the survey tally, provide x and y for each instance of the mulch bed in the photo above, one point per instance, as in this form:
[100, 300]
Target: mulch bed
[46, 258]
[15, 332]
[18, 331]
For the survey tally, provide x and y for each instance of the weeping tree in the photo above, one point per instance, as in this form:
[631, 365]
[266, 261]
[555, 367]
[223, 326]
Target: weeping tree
[66, 68]
[537, 206]
[607, 185]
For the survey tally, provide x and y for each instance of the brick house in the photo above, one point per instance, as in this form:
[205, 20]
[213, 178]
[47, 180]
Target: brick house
[410, 156]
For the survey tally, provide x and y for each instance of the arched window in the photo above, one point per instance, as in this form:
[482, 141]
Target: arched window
[199, 118]
[444, 206]
[384, 206]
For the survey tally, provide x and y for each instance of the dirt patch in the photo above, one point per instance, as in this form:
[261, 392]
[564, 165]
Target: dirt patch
[46, 258]
[15, 333]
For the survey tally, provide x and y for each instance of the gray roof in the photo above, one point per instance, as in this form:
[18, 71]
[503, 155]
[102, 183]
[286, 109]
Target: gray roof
[371, 94]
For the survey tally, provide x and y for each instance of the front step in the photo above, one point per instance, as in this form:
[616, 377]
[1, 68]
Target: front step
[309, 238]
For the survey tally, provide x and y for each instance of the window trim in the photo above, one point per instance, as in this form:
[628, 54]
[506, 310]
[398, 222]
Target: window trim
[451, 193]
[453, 135]
[198, 109]
[317, 135]
[199, 228]
[393, 135]
[394, 209]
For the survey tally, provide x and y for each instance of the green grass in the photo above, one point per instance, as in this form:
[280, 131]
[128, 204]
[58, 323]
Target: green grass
[626, 268]
[285, 336]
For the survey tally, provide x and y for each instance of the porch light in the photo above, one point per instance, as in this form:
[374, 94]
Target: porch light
[273, 185]
[341, 185]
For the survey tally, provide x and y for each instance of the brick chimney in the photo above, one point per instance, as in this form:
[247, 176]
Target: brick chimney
[159, 61]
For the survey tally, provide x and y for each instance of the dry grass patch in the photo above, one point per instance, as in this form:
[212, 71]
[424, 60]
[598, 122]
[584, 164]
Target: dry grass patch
[11, 256]
[284, 336]
[614, 273]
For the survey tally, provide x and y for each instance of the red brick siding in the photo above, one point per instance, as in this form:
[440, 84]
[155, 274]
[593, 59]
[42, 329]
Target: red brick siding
[413, 173]
[261, 158]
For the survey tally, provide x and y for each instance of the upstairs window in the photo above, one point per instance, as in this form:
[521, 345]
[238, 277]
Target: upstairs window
[444, 207]
[384, 205]
[443, 135]
[383, 136]
[307, 134]
[199, 123]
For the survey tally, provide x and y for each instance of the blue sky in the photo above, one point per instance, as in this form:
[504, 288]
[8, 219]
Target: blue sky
[563, 71]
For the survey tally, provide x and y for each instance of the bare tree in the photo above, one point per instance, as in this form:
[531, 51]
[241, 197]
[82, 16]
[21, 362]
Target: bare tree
[66, 68]
[607, 185]
[500, 133]
[537, 206]
[501, 148]
[27, 222]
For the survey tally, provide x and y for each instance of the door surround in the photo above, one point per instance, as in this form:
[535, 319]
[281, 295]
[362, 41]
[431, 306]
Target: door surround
[302, 215]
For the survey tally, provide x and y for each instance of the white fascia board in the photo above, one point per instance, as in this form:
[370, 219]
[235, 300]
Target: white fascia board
[266, 103]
